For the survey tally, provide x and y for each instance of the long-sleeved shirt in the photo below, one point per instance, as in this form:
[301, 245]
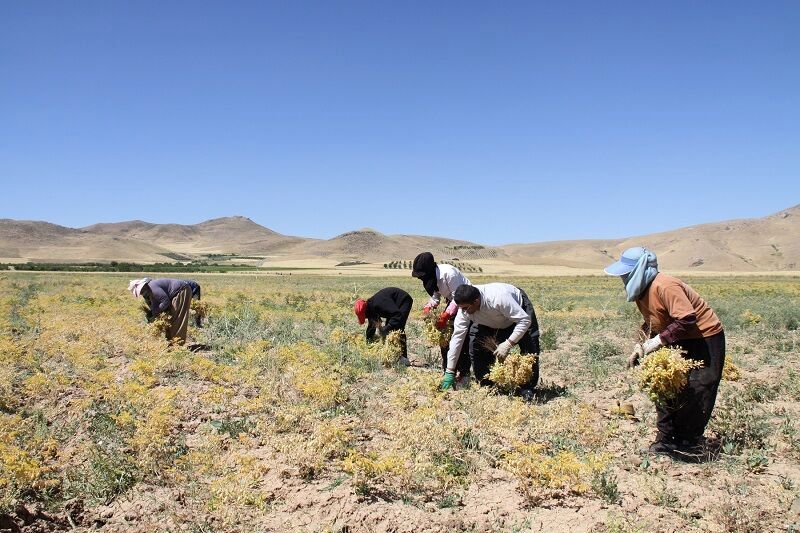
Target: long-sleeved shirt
[392, 304]
[675, 311]
[501, 307]
[161, 293]
[448, 279]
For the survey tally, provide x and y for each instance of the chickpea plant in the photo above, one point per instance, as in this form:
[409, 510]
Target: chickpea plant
[514, 372]
[664, 374]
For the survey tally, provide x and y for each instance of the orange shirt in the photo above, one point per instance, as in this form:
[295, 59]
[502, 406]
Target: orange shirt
[668, 299]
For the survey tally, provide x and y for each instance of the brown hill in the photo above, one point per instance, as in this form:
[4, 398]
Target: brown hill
[26, 240]
[372, 246]
[768, 243]
[238, 235]
[763, 244]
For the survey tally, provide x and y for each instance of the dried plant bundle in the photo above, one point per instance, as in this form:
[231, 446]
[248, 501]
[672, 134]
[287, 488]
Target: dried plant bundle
[664, 374]
[514, 372]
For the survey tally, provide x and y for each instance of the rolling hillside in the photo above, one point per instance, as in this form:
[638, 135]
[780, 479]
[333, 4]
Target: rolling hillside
[762, 244]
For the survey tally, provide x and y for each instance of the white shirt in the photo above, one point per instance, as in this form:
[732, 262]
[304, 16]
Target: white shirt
[501, 307]
[448, 279]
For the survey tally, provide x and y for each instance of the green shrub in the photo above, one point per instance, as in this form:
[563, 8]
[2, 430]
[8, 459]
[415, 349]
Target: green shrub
[740, 424]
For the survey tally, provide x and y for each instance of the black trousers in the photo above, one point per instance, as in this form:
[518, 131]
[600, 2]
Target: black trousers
[405, 307]
[686, 417]
[482, 356]
[465, 357]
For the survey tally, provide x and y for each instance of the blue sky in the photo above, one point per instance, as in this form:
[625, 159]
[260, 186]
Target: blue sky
[492, 122]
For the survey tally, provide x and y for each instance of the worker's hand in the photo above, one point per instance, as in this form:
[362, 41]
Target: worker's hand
[447, 380]
[635, 356]
[501, 352]
[441, 322]
[426, 309]
[651, 345]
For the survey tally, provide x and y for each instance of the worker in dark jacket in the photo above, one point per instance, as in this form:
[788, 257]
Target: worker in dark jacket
[675, 315]
[166, 295]
[392, 304]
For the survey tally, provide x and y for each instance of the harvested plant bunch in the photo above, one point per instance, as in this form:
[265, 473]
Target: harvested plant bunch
[200, 308]
[391, 349]
[434, 336]
[664, 373]
[160, 324]
[387, 351]
[514, 372]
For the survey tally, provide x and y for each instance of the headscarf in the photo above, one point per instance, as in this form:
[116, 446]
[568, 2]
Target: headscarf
[643, 273]
[360, 309]
[424, 268]
[136, 286]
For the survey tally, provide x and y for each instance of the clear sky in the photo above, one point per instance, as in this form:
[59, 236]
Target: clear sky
[495, 122]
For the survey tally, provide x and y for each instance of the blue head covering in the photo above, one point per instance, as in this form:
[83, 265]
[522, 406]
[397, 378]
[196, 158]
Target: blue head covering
[638, 267]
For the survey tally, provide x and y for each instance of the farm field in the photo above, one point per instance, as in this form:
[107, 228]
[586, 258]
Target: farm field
[285, 419]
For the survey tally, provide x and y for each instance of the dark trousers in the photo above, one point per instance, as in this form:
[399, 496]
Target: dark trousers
[465, 357]
[686, 417]
[482, 356]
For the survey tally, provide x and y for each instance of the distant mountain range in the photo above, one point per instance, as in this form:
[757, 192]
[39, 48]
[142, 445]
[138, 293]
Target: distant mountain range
[763, 244]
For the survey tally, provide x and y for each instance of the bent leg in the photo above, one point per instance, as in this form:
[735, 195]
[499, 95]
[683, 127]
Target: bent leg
[181, 303]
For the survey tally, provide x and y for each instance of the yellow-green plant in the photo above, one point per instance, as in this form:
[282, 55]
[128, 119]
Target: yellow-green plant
[160, 325]
[391, 349]
[514, 372]
[435, 336]
[563, 470]
[730, 371]
[372, 472]
[664, 374]
[200, 308]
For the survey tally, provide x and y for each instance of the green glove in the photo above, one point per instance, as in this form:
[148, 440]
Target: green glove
[447, 380]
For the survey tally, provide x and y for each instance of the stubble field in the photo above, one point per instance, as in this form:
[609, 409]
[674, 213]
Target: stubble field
[285, 419]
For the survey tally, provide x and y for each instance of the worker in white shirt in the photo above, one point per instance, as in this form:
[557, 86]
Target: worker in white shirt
[441, 281]
[499, 311]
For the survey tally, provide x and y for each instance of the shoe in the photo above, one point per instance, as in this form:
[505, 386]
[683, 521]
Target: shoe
[403, 361]
[690, 451]
[527, 394]
[463, 382]
[662, 447]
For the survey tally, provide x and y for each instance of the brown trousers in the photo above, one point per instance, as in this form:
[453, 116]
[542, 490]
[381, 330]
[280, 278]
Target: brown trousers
[179, 310]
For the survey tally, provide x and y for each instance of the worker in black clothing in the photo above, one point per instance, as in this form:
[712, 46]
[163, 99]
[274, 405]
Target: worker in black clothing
[392, 304]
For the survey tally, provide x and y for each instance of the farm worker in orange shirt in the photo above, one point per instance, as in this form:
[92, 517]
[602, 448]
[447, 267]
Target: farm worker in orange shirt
[675, 315]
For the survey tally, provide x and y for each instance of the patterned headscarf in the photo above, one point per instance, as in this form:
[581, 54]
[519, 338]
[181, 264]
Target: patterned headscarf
[136, 286]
